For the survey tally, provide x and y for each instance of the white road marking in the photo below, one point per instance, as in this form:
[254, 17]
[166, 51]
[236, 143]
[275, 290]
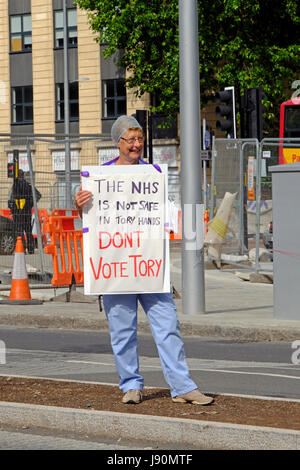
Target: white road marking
[107, 363]
[193, 368]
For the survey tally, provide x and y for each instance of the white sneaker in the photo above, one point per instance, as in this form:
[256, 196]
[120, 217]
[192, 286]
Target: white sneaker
[132, 396]
[195, 397]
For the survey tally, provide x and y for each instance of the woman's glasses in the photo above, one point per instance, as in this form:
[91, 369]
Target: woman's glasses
[133, 139]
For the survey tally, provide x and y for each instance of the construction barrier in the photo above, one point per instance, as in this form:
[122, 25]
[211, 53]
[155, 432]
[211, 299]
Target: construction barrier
[66, 247]
[178, 236]
[43, 219]
[206, 220]
[6, 213]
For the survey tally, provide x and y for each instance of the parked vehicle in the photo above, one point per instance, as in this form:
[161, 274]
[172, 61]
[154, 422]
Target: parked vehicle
[289, 127]
[268, 237]
[7, 236]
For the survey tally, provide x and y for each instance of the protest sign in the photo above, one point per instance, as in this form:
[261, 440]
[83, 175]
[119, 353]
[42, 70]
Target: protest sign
[124, 239]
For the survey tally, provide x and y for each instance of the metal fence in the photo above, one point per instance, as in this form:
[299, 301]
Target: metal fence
[242, 166]
[229, 164]
[52, 165]
[43, 160]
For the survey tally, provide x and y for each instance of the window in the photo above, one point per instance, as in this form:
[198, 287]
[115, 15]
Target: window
[20, 33]
[71, 28]
[114, 98]
[73, 102]
[58, 160]
[292, 121]
[22, 105]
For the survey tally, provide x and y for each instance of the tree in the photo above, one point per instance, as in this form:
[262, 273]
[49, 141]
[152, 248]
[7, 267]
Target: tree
[245, 43]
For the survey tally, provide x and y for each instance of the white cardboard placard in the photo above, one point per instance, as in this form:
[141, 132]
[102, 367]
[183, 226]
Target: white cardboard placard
[126, 247]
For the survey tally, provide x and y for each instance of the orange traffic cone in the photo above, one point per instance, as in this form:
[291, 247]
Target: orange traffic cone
[20, 292]
[19, 285]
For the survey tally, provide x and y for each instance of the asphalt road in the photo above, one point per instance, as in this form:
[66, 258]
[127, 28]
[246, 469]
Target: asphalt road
[216, 365]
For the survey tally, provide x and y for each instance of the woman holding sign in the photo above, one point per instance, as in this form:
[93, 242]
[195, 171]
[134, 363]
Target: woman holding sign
[121, 309]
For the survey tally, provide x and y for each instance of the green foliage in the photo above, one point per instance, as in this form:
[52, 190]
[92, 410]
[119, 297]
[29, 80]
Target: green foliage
[245, 43]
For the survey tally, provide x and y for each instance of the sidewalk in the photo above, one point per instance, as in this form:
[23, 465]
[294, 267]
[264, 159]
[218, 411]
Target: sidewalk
[234, 308]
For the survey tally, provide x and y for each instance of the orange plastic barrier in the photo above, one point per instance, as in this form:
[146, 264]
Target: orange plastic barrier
[43, 217]
[6, 213]
[178, 235]
[64, 248]
[206, 220]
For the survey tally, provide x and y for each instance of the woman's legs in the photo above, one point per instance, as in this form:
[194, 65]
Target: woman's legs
[121, 312]
[161, 312]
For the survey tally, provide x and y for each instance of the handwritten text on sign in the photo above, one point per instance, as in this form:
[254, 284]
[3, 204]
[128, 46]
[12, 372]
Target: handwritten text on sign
[126, 233]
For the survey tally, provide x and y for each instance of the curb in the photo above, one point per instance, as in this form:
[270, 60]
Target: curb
[92, 321]
[203, 434]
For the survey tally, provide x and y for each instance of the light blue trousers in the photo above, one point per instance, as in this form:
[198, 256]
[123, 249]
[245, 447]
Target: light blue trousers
[121, 312]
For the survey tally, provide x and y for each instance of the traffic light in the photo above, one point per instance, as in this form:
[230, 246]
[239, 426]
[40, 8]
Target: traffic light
[13, 167]
[10, 170]
[252, 110]
[226, 110]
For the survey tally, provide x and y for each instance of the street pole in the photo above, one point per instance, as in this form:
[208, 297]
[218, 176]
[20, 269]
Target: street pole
[193, 292]
[68, 184]
[204, 166]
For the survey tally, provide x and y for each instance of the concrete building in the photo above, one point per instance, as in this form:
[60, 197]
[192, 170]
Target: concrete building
[32, 72]
[32, 92]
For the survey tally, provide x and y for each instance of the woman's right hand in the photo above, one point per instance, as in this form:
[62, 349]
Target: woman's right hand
[82, 197]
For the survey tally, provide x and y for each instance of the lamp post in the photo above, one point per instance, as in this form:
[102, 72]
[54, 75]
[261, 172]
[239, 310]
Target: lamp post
[193, 293]
[68, 184]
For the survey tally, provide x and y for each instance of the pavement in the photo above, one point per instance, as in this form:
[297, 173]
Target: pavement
[235, 307]
[238, 304]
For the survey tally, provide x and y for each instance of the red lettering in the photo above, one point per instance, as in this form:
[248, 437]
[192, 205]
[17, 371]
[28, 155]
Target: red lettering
[135, 263]
[138, 238]
[109, 271]
[145, 272]
[129, 239]
[118, 239]
[114, 264]
[114, 240]
[150, 265]
[115, 269]
[123, 268]
[158, 266]
[101, 245]
[99, 268]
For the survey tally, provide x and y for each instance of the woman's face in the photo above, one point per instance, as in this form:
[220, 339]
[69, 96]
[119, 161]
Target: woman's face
[130, 145]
